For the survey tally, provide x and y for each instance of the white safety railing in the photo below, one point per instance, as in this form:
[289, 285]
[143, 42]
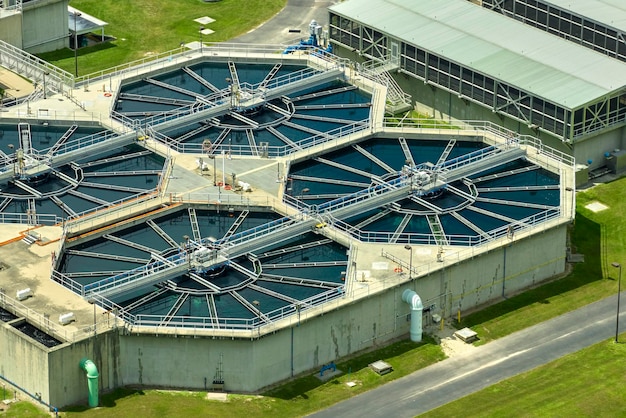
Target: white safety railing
[164, 60]
[137, 274]
[121, 208]
[324, 300]
[325, 140]
[35, 69]
[45, 324]
[525, 224]
[459, 127]
[377, 71]
[256, 232]
[25, 218]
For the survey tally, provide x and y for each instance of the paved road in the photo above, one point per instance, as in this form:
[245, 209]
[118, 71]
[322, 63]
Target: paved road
[459, 376]
[296, 15]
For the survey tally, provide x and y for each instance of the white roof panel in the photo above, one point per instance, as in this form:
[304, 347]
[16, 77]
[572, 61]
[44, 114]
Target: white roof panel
[608, 12]
[503, 48]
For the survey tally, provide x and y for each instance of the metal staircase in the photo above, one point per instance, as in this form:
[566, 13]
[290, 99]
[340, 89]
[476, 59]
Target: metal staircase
[25, 137]
[195, 228]
[397, 100]
[234, 77]
[437, 230]
[31, 214]
[407, 152]
[237, 223]
[252, 142]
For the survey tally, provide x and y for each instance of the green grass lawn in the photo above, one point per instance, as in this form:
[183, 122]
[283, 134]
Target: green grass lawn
[145, 27]
[588, 383]
[414, 119]
[24, 409]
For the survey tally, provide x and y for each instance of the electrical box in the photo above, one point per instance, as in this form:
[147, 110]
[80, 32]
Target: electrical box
[616, 161]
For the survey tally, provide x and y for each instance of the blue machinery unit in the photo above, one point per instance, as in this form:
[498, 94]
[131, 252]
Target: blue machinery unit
[313, 42]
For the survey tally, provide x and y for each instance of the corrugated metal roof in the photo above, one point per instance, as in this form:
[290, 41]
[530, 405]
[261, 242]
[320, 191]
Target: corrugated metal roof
[609, 12]
[503, 48]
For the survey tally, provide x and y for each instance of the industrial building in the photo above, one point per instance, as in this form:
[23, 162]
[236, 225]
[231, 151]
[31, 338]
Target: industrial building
[35, 26]
[462, 61]
[226, 217]
[599, 25]
[38, 26]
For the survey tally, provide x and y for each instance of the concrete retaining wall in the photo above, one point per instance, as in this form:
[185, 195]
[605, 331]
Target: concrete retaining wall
[68, 382]
[11, 29]
[23, 361]
[249, 365]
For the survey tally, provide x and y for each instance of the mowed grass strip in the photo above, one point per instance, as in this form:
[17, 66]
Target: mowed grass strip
[587, 383]
[146, 27]
[23, 409]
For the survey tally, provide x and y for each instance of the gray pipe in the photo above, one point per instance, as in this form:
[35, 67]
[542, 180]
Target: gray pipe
[415, 303]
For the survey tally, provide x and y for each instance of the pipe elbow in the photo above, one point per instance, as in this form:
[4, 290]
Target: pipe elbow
[415, 302]
[90, 367]
[413, 299]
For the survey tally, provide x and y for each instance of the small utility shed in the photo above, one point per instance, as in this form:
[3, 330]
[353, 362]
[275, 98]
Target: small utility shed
[476, 64]
[81, 24]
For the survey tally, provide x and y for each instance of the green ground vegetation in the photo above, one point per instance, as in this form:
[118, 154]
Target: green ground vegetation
[588, 383]
[414, 119]
[143, 28]
[24, 409]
